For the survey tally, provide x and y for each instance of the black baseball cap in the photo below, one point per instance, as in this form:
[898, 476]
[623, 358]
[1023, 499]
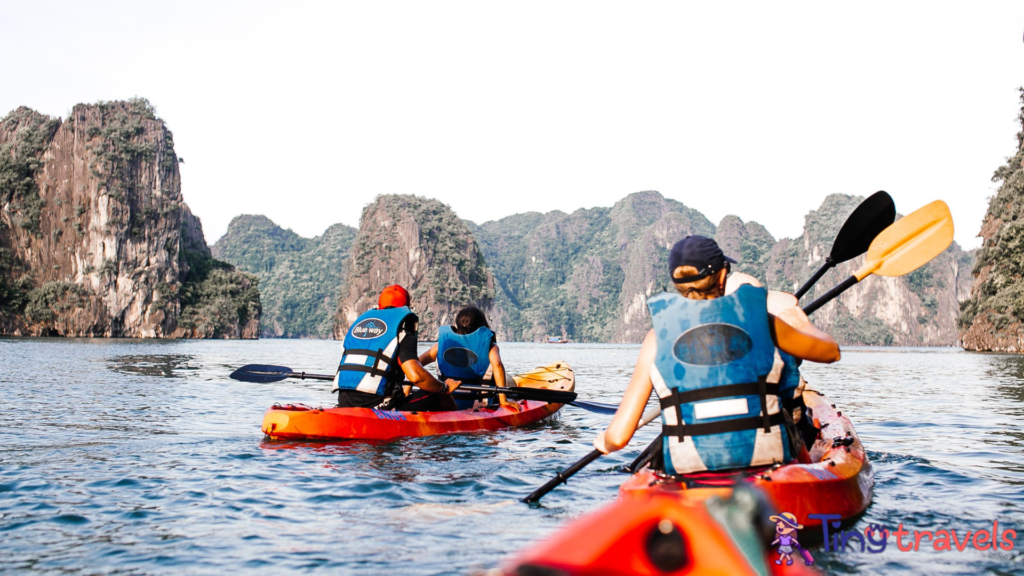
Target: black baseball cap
[701, 253]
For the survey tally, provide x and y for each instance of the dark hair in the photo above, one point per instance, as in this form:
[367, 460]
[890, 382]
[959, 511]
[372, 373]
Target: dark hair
[468, 320]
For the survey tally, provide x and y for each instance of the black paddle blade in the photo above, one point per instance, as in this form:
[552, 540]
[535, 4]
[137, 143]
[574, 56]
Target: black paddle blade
[261, 373]
[874, 214]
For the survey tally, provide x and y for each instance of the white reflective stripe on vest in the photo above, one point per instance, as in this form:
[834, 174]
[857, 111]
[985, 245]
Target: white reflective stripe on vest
[369, 383]
[684, 455]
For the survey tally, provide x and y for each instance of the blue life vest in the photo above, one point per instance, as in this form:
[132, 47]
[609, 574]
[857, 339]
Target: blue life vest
[789, 381]
[368, 361]
[464, 356]
[716, 373]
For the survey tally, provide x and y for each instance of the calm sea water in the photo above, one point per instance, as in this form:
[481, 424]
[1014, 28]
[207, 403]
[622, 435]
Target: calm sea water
[143, 457]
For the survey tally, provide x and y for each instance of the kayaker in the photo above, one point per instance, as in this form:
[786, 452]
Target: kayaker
[791, 383]
[379, 356]
[712, 359]
[466, 351]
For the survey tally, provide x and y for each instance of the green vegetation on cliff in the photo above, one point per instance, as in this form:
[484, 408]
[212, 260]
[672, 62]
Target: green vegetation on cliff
[300, 278]
[997, 298]
[215, 298]
[565, 274]
[29, 133]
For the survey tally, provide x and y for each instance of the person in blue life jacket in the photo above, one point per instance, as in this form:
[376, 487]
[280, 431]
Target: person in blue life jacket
[715, 360]
[379, 358]
[467, 352]
[791, 382]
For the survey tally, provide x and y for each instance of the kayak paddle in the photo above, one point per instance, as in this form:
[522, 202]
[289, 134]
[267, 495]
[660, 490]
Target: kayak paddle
[563, 476]
[903, 247]
[900, 249]
[874, 214]
[264, 373]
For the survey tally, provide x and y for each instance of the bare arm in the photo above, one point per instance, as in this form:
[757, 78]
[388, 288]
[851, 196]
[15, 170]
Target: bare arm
[634, 399]
[498, 371]
[429, 357]
[794, 334]
[419, 377]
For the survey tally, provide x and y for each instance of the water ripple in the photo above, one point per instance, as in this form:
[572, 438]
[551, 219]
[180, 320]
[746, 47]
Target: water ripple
[142, 457]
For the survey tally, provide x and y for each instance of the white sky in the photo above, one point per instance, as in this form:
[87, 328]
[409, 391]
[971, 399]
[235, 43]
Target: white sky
[305, 111]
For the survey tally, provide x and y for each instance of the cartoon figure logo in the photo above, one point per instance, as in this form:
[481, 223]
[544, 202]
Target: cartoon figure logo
[786, 526]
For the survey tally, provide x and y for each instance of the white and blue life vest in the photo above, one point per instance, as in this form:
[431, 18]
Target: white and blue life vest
[716, 372]
[368, 361]
[464, 357]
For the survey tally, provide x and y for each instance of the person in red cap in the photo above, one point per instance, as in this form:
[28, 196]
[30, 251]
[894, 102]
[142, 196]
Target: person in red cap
[379, 359]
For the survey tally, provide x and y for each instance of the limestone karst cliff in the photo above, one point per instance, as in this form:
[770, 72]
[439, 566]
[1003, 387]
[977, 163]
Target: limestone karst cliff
[95, 239]
[992, 319]
[300, 278]
[422, 245]
[585, 275]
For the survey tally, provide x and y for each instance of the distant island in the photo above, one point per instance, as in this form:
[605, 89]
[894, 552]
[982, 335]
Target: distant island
[96, 240]
[583, 276]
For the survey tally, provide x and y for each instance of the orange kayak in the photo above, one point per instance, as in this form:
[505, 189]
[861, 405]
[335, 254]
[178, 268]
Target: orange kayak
[704, 534]
[300, 422]
[834, 478]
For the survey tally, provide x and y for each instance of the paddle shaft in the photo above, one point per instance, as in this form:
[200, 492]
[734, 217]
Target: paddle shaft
[814, 279]
[563, 476]
[830, 295]
[554, 396]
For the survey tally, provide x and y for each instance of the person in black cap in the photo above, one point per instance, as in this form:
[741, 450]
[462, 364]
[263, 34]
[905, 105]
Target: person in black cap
[713, 358]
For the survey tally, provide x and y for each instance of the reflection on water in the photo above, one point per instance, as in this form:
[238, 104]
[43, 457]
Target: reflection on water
[143, 457]
[166, 365]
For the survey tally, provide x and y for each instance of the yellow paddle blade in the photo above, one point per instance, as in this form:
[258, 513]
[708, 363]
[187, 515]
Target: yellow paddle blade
[911, 242]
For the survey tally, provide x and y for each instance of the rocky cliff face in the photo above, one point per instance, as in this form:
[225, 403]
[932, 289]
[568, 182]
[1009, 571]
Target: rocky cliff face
[588, 275]
[992, 319]
[919, 309]
[95, 239]
[585, 275]
[300, 278]
[422, 245]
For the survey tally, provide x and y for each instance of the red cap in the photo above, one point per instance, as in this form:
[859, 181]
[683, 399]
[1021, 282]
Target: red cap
[393, 296]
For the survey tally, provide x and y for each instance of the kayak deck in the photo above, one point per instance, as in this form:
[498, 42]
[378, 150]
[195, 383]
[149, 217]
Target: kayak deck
[659, 535]
[836, 478]
[300, 422]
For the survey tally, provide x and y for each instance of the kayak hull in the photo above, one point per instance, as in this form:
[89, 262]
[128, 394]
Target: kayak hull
[616, 540]
[300, 422]
[834, 478]
[297, 422]
[839, 480]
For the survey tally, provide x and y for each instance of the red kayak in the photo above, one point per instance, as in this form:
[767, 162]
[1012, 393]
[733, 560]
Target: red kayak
[623, 537]
[703, 534]
[835, 478]
[301, 422]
